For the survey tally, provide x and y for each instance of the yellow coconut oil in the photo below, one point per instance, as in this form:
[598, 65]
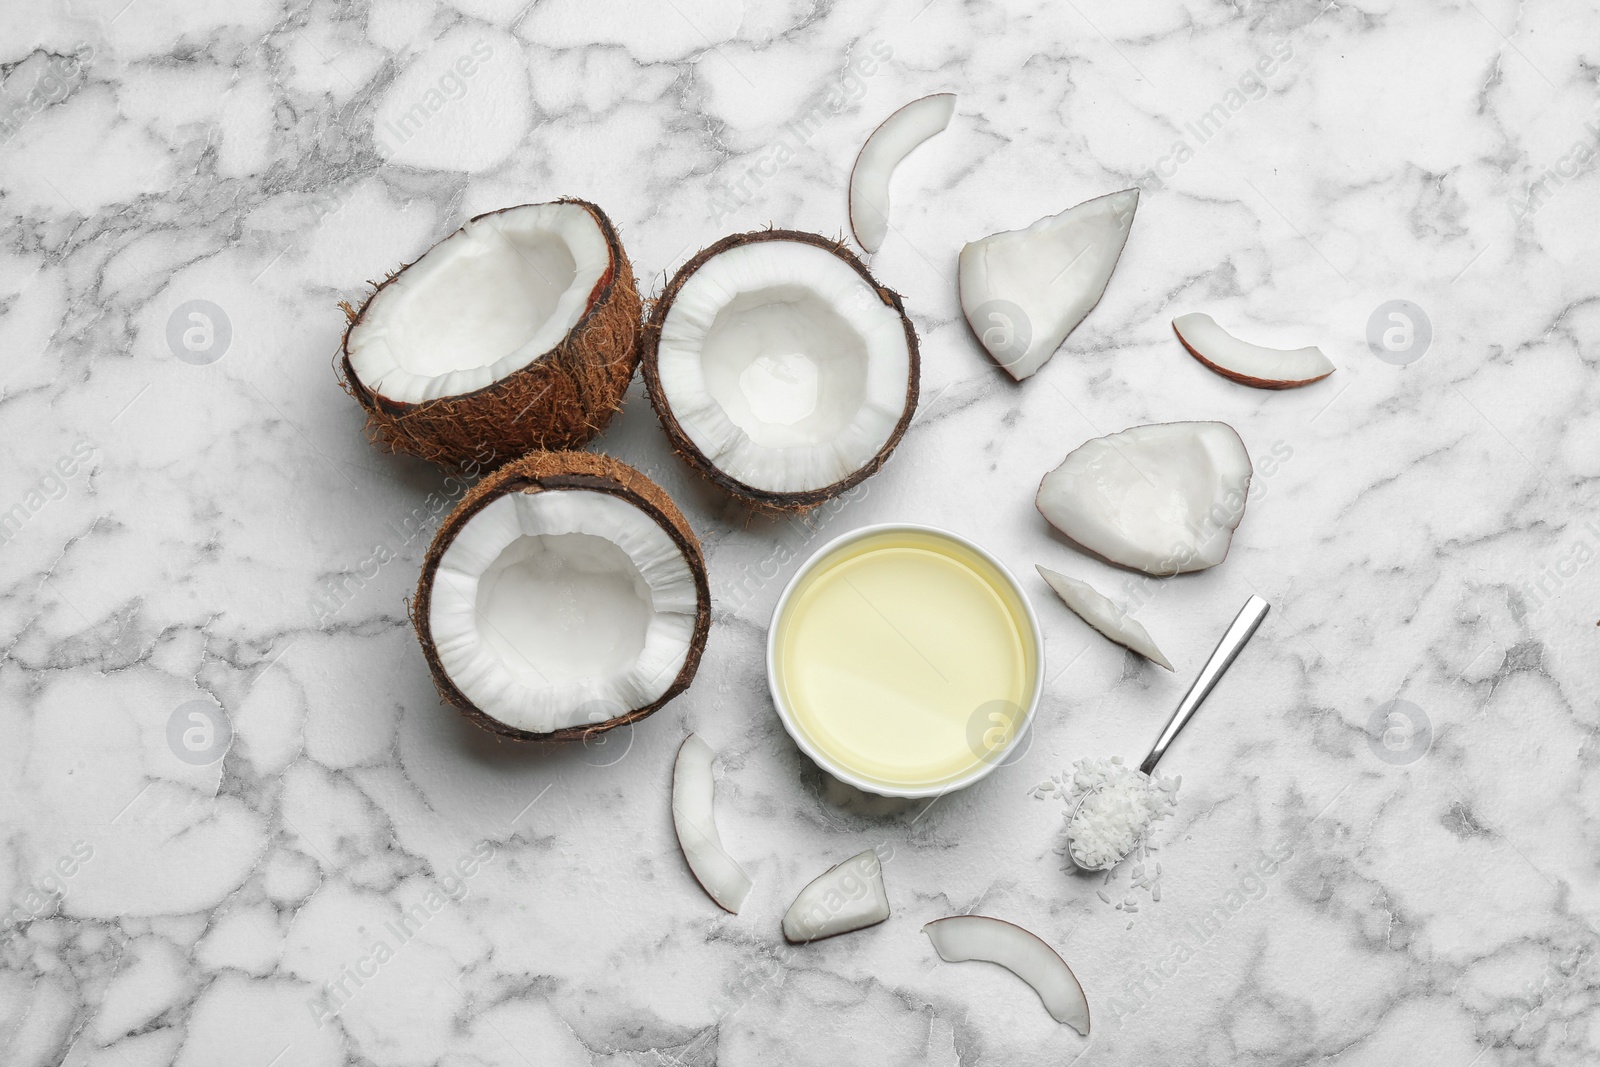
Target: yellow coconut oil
[905, 657]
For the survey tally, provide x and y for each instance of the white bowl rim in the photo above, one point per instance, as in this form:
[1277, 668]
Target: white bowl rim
[833, 766]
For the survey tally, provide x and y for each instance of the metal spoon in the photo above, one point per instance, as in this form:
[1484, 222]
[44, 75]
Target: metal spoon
[1228, 649]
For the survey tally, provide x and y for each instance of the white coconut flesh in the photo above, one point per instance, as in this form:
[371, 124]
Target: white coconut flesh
[1249, 363]
[1104, 614]
[885, 148]
[562, 608]
[480, 305]
[1024, 291]
[960, 938]
[694, 821]
[783, 367]
[1163, 499]
[844, 898]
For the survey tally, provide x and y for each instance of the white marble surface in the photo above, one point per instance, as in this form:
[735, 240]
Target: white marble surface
[1439, 908]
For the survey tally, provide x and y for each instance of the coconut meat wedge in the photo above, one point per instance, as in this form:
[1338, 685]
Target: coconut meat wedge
[1104, 614]
[515, 333]
[563, 599]
[1163, 499]
[891, 142]
[960, 938]
[846, 897]
[780, 369]
[1024, 291]
[694, 821]
[1246, 363]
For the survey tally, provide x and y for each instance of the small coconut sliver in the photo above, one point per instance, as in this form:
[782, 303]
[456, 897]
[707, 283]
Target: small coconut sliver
[780, 369]
[565, 595]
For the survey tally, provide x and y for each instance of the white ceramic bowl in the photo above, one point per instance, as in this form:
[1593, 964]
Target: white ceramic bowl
[851, 776]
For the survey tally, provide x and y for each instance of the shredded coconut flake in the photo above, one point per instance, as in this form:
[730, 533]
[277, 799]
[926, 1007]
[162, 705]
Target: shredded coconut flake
[1114, 822]
[1121, 804]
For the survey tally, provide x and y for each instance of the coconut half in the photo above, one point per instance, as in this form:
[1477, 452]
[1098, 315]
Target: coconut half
[1108, 617]
[516, 333]
[565, 595]
[1164, 499]
[960, 938]
[780, 369]
[891, 142]
[1248, 364]
[1024, 291]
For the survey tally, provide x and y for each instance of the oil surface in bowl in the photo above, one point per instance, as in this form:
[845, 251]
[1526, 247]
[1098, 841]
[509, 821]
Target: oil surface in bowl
[906, 657]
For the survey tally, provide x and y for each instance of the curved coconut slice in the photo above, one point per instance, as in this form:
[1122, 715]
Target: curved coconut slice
[1104, 614]
[1248, 364]
[849, 896]
[780, 369]
[978, 937]
[885, 148]
[515, 333]
[1023, 291]
[565, 595]
[693, 817]
[1163, 499]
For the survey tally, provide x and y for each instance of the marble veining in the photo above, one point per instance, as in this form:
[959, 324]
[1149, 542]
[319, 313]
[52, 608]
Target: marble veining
[1386, 846]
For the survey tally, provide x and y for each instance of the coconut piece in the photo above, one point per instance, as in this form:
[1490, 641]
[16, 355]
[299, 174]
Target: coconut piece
[978, 937]
[848, 896]
[1164, 499]
[694, 819]
[515, 333]
[1248, 364]
[1104, 614]
[565, 595]
[779, 368]
[891, 142]
[1024, 291]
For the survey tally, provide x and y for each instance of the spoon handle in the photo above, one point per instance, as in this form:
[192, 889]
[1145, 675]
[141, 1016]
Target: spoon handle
[1228, 649]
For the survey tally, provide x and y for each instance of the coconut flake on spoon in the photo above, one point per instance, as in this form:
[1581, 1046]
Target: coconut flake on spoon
[960, 938]
[1115, 804]
[890, 143]
[515, 333]
[1248, 364]
[564, 595]
[1163, 499]
[847, 897]
[1024, 291]
[1114, 809]
[694, 820]
[780, 369]
[1110, 619]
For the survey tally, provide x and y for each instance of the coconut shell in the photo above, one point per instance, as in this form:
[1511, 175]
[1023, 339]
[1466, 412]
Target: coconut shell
[551, 472]
[685, 448]
[559, 401]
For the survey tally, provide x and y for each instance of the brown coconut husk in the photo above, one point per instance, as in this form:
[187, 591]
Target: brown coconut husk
[552, 472]
[559, 401]
[684, 447]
